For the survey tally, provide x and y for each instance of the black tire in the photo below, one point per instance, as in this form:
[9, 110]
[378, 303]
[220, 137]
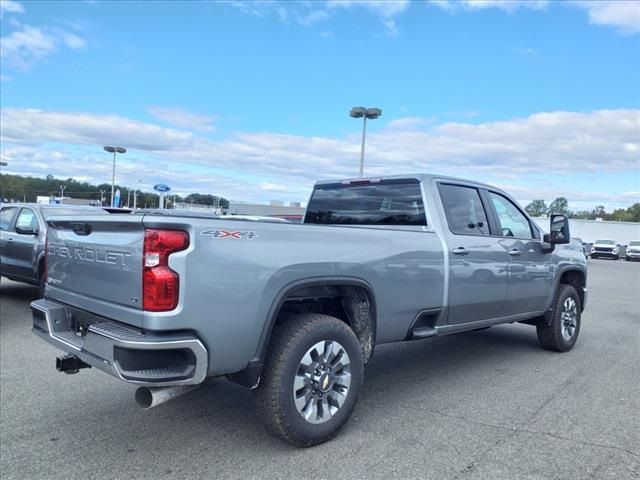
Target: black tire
[617, 257]
[556, 336]
[275, 403]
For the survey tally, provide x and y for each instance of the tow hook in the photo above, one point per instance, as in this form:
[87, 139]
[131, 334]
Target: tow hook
[70, 364]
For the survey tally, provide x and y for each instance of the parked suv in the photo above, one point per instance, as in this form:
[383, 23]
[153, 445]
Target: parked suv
[605, 249]
[23, 231]
[633, 251]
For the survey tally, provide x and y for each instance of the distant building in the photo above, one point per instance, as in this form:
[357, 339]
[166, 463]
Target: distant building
[294, 211]
[67, 201]
[194, 206]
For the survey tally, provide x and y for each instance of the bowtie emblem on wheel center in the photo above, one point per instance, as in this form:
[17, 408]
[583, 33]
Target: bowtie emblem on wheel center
[325, 382]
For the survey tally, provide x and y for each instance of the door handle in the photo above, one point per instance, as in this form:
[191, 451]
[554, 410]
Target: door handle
[514, 252]
[10, 240]
[460, 251]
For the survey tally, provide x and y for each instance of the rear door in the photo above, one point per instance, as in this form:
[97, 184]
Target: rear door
[7, 219]
[477, 261]
[95, 263]
[530, 277]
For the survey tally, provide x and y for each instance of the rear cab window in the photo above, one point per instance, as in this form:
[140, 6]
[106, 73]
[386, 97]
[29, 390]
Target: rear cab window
[367, 202]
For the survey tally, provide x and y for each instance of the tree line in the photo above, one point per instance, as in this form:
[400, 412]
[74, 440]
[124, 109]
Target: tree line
[17, 188]
[538, 208]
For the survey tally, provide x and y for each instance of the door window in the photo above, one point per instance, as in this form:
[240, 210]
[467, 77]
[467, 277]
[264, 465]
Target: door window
[6, 217]
[464, 210]
[27, 220]
[512, 221]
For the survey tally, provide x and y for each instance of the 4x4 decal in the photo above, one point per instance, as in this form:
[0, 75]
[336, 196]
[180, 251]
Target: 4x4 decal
[232, 234]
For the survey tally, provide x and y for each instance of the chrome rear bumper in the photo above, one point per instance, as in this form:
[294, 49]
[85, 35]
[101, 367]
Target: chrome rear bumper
[137, 357]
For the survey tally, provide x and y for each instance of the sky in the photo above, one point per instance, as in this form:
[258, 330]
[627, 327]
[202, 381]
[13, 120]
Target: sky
[251, 100]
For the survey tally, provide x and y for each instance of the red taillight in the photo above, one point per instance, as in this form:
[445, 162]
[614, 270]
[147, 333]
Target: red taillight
[160, 284]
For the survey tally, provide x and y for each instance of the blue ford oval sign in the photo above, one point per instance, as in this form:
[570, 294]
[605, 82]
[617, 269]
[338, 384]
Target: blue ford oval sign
[161, 187]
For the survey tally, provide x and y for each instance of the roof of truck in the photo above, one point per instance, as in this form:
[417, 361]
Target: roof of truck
[423, 177]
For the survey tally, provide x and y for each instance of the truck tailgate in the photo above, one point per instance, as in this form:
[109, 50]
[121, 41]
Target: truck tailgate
[95, 263]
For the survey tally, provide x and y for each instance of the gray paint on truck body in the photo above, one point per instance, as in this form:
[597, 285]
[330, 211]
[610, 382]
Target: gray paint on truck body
[230, 285]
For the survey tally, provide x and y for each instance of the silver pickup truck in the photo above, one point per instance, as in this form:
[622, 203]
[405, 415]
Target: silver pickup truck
[166, 300]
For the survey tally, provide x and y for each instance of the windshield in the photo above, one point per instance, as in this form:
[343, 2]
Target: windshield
[606, 242]
[635, 243]
[54, 212]
[390, 202]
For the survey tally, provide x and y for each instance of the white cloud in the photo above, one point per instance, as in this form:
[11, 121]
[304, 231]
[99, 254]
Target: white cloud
[274, 187]
[308, 14]
[183, 118]
[507, 5]
[30, 126]
[408, 123]
[73, 41]
[254, 166]
[9, 6]
[526, 51]
[313, 17]
[384, 8]
[25, 47]
[624, 15]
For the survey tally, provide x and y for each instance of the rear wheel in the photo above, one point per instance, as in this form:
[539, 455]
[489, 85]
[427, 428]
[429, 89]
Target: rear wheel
[562, 333]
[311, 379]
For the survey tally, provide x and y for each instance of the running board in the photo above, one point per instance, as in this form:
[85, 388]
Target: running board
[423, 332]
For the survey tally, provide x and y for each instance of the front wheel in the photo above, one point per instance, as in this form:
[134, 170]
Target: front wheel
[562, 333]
[311, 379]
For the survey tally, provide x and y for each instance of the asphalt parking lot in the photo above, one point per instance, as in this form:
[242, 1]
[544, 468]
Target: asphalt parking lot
[486, 404]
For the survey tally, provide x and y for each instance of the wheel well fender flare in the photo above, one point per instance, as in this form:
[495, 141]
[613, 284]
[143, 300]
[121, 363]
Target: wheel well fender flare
[548, 315]
[282, 296]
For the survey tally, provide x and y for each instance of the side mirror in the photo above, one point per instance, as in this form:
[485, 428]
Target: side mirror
[559, 230]
[26, 231]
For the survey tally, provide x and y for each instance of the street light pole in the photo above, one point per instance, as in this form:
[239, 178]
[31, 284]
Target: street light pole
[365, 113]
[364, 133]
[114, 150]
[62, 187]
[135, 193]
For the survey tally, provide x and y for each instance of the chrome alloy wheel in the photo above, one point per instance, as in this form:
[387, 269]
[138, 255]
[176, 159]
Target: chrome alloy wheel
[569, 318]
[322, 382]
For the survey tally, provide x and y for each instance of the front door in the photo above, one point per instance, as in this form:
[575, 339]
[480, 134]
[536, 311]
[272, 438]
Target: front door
[477, 262]
[530, 273]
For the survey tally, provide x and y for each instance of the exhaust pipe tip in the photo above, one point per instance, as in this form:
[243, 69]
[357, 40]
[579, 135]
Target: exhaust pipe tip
[144, 398]
[149, 397]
